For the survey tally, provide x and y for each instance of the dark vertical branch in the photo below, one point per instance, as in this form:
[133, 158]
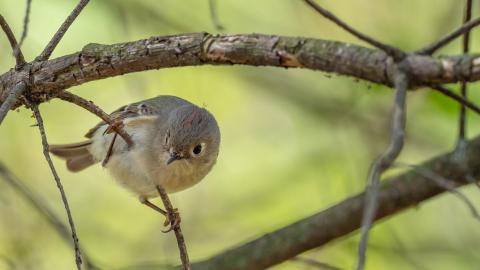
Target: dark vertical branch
[26, 20]
[383, 163]
[212, 4]
[20, 60]
[178, 231]
[41, 207]
[11, 99]
[38, 116]
[61, 31]
[466, 44]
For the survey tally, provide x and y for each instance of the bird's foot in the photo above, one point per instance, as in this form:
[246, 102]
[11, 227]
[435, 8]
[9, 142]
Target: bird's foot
[173, 219]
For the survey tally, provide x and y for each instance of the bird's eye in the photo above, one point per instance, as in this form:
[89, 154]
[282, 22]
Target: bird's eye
[197, 150]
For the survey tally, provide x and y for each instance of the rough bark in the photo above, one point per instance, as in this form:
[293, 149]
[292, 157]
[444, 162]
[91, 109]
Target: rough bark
[96, 61]
[396, 194]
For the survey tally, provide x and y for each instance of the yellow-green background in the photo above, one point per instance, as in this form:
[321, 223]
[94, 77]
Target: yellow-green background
[293, 141]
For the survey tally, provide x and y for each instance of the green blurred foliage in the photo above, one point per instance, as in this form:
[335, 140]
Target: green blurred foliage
[293, 141]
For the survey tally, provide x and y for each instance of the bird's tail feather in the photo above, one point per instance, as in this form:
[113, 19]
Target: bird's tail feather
[76, 154]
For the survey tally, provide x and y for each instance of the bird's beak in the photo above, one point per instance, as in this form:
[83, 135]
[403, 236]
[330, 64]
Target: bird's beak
[173, 156]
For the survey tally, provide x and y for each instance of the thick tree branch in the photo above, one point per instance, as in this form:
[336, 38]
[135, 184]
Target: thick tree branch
[97, 61]
[395, 194]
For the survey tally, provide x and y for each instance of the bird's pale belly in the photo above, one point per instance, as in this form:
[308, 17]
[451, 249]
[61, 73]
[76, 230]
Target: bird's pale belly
[127, 170]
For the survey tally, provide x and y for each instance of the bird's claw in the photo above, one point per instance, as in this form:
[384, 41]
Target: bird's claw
[173, 219]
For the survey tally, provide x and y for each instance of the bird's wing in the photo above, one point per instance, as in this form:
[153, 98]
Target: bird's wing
[135, 113]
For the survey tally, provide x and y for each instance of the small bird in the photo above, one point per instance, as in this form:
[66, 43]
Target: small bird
[176, 144]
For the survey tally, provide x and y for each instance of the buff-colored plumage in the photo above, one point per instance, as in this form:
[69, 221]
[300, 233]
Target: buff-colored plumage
[163, 129]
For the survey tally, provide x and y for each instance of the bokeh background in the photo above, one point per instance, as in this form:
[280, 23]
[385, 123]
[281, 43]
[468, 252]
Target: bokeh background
[293, 141]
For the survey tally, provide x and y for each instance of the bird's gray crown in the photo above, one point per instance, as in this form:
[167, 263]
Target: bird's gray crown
[192, 132]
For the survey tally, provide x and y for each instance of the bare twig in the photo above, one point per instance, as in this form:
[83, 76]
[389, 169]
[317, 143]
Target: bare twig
[11, 99]
[20, 60]
[91, 107]
[464, 91]
[61, 31]
[396, 53]
[178, 231]
[212, 4]
[449, 93]
[430, 49]
[38, 116]
[315, 263]
[26, 20]
[42, 208]
[443, 182]
[383, 163]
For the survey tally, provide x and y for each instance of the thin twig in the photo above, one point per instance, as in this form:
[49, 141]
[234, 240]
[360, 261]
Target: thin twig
[26, 20]
[430, 49]
[11, 99]
[396, 53]
[462, 127]
[42, 208]
[61, 31]
[383, 163]
[443, 182]
[315, 263]
[91, 107]
[38, 116]
[20, 60]
[449, 93]
[212, 4]
[178, 231]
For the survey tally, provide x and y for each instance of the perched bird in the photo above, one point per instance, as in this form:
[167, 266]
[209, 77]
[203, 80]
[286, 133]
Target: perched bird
[176, 144]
